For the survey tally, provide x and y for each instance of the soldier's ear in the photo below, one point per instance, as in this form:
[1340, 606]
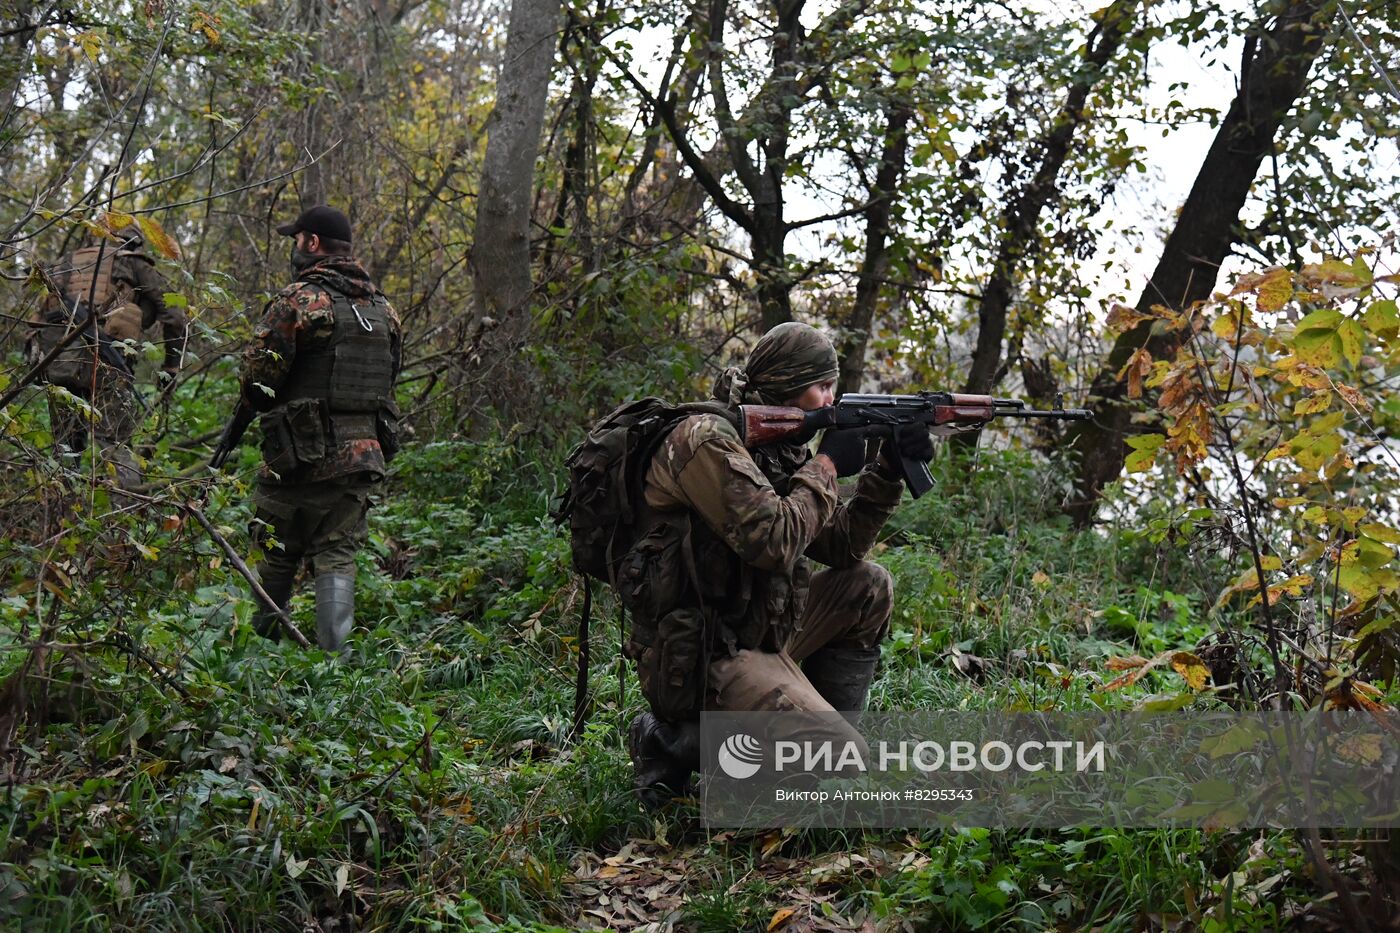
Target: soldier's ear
[313, 243]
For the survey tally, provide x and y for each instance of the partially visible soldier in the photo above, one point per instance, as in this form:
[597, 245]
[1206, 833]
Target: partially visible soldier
[117, 284]
[321, 370]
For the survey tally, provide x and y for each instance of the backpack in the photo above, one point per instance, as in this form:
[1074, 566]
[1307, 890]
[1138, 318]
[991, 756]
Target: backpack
[73, 367]
[602, 503]
[605, 476]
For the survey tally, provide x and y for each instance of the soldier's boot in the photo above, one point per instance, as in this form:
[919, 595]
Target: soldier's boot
[843, 676]
[664, 755]
[279, 587]
[335, 609]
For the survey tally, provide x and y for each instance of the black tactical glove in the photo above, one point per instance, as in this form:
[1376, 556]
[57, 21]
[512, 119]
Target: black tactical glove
[909, 442]
[846, 450]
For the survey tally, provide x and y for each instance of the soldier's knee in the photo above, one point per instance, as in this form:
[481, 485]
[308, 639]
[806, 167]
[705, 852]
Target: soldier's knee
[879, 596]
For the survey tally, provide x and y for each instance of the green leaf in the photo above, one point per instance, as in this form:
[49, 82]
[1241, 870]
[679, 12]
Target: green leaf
[1327, 423]
[1376, 626]
[1326, 319]
[1318, 346]
[1316, 514]
[1382, 319]
[1147, 441]
[1362, 582]
[1140, 461]
[900, 63]
[1240, 738]
[1373, 554]
[1378, 532]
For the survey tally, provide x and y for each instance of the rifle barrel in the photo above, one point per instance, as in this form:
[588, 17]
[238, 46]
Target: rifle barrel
[1068, 414]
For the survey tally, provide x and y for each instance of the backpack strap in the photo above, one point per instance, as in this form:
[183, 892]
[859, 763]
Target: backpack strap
[581, 683]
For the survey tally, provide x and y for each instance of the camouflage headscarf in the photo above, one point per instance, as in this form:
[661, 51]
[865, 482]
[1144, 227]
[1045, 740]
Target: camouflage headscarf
[786, 360]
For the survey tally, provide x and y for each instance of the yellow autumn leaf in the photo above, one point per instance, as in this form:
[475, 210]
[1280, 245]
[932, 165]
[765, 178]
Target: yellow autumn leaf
[1293, 586]
[109, 223]
[1192, 669]
[1122, 318]
[1318, 401]
[780, 917]
[157, 238]
[1276, 289]
[1382, 319]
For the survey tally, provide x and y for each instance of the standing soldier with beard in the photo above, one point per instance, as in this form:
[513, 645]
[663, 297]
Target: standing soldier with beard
[321, 371]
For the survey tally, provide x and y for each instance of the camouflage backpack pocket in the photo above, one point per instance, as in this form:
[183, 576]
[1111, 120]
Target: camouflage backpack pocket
[652, 578]
[667, 639]
[670, 663]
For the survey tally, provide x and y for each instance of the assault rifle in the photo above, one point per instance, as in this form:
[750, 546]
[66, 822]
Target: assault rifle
[233, 434]
[941, 412]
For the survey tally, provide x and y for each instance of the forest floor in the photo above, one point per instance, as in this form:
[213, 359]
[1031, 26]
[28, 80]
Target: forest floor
[428, 781]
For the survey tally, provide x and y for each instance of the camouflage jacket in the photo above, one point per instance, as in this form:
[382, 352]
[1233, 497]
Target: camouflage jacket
[300, 316]
[771, 511]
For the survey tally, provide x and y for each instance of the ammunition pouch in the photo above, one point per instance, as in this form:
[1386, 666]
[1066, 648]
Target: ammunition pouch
[294, 435]
[386, 429]
[672, 663]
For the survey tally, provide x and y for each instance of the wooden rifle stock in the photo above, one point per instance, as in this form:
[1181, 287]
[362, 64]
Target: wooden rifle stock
[761, 425]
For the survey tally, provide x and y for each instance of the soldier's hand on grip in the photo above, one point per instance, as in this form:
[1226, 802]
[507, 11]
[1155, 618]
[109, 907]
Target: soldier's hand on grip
[845, 449]
[910, 442]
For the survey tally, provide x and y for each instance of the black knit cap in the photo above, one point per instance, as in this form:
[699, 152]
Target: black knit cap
[326, 222]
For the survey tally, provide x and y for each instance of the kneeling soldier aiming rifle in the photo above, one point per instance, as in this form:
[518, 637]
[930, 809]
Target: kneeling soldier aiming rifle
[706, 519]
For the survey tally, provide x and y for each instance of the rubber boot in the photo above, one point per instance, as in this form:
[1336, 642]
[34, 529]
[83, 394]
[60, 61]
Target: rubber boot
[279, 587]
[335, 609]
[843, 677]
[664, 755]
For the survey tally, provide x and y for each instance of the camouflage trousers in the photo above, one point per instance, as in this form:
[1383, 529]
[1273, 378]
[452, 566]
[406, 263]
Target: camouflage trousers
[847, 608]
[323, 523]
[116, 415]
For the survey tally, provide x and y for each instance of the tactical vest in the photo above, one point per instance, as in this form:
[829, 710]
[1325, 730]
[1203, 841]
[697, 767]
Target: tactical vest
[336, 389]
[81, 277]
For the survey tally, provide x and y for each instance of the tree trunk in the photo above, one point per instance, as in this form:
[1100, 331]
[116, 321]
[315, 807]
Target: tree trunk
[1022, 215]
[893, 157]
[1274, 73]
[500, 254]
[20, 24]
